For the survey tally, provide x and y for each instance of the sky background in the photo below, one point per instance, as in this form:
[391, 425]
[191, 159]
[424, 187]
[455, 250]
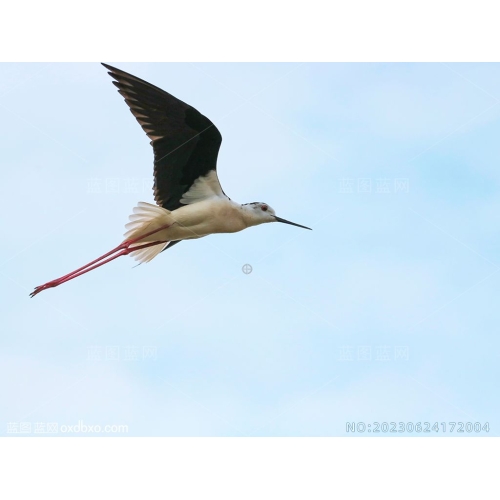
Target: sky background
[385, 312]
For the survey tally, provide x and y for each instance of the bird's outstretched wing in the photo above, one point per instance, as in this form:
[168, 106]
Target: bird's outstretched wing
[185, 142]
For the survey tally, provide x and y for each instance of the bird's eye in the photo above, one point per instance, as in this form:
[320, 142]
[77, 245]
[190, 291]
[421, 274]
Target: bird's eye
[264, 208]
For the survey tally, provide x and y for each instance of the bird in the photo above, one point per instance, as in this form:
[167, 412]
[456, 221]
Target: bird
[190, 202]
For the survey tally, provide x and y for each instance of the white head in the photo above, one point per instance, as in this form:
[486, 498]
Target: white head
[259, 213]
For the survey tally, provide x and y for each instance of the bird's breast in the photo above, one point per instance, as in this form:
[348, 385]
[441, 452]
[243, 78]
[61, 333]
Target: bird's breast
[208, 217]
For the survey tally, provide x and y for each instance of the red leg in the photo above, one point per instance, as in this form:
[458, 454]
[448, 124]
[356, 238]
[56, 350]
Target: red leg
[122, 249]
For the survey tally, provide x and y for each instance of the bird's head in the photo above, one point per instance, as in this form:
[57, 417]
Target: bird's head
[259, 213]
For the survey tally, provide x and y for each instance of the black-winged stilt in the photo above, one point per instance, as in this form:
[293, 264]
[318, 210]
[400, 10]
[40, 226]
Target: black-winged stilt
[190, 201]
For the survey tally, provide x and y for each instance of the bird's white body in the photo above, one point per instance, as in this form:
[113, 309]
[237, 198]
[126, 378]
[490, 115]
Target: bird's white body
[207, 210]
[210, 216]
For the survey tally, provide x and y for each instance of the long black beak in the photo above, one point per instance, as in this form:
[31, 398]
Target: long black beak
[279, 219]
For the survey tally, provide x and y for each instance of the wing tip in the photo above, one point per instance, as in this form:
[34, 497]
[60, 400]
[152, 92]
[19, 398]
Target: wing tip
[113, 72]
[107, 66]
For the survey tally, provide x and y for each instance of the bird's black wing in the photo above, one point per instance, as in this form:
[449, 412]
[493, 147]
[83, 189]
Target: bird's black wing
[185, 142]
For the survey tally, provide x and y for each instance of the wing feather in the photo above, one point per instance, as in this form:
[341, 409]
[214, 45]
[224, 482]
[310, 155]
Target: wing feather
[185, 142]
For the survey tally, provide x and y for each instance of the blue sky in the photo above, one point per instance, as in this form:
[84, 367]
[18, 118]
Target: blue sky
[385, 312]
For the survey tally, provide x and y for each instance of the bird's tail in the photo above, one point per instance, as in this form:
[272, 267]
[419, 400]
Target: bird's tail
[145, 219]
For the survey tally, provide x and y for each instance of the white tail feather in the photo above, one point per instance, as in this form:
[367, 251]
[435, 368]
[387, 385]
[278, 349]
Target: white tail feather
[147, 218]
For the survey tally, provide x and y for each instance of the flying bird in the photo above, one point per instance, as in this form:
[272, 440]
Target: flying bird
[190, 202]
